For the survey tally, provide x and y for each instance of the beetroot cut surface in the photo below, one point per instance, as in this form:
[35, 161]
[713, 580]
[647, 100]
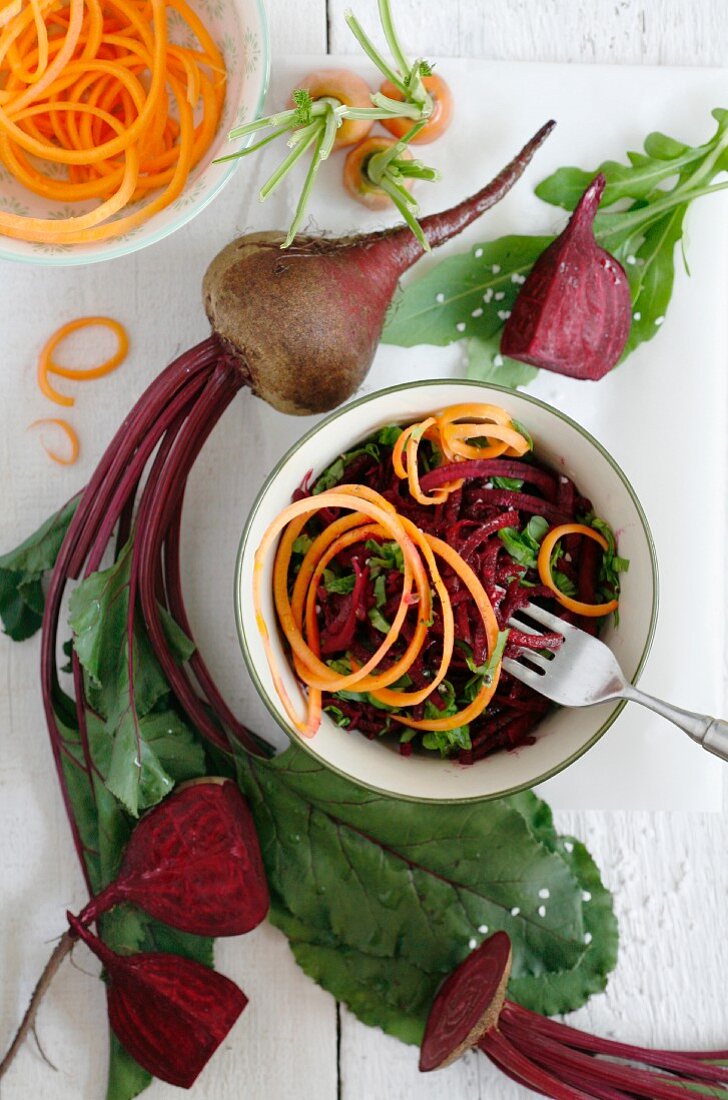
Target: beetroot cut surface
[468, 1003]
[574, 312]
[194, 863]
[169, 1013]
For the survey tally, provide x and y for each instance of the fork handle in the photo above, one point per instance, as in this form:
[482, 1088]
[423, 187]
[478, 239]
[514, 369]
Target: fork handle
[711, 733]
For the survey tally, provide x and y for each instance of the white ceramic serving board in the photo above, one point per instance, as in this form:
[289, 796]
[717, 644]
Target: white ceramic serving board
[663, 414]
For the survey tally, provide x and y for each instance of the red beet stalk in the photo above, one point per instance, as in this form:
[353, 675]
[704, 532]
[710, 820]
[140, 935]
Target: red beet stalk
[574, 311]
[170, 1013]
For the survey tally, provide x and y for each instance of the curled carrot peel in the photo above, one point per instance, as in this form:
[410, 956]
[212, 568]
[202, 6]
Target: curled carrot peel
[369, 516]
[70, 434]
[47, 364]
[544, 569]
[450, 431]
[96, 104]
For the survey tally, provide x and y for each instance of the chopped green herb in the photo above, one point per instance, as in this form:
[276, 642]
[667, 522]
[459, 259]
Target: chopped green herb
[302, 544]
[380, 590]
[523, 546]
[339, 585]
[337, 715]
[512, 483]
[385, 556]
[378, 621]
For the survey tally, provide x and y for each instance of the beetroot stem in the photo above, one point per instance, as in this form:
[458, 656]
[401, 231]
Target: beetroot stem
[27, 1024]
[672, 1060]
[495, 1043]
[640, 1082]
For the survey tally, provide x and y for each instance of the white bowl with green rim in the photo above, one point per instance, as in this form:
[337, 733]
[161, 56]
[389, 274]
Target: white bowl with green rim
[240, 29]
[563, 735]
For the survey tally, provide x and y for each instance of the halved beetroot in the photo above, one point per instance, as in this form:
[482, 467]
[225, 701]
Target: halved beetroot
[574, 311]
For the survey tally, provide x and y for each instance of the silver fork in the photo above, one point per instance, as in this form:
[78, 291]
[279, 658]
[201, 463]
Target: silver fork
[584, 672]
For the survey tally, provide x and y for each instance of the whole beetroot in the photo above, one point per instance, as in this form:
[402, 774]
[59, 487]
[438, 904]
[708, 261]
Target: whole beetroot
[305, 323]
[574, 311]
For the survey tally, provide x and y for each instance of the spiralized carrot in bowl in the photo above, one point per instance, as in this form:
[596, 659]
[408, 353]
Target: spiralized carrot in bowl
[97, 104]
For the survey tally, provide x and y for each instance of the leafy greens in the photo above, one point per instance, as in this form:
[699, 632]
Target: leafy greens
[641, 221]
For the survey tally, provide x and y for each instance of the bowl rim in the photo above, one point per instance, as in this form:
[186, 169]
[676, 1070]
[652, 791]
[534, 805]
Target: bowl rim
[301, 742]
[116, 248]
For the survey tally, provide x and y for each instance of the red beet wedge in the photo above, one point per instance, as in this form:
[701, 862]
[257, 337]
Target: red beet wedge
[551, 1058]
[169, 1013]
[193, 862]
[574, 311]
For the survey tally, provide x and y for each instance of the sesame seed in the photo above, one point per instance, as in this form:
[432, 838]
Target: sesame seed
[488, 296]
[567, 843]
[587, 937]
[460, 326]
[518, 279]
[500, 295]
[478, 253]
[504, 314]
[637, 316]
[659, 320]
[440, 298]
[544, 893]
[472, 943]
[482, 928]
[515, 911]
[542, 910]
[496, 268]
[497, 360]
[477, 313]
[586, 896]
[631, 259]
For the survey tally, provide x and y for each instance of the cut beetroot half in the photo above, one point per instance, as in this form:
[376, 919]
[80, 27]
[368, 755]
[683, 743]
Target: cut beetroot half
[194, 863]
[467, 1004]
[169, 1013]
[574, 312]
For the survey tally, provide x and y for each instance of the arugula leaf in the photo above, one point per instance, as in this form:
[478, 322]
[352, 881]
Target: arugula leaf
[380, 590]
[464, 295]
[486, 364]
[21, 592]
[428, 878]
[523, 546]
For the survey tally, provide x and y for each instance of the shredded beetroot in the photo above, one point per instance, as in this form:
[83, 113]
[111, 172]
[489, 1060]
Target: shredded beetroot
[497, 500]
[169, 1012]
[574, 311]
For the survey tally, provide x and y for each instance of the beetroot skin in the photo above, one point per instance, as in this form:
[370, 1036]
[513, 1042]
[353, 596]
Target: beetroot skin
[574, 311]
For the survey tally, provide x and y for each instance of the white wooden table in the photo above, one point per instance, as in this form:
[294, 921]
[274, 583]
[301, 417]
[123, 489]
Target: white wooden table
[669, 872]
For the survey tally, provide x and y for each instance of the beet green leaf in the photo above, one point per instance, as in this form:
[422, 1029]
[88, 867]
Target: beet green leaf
[381, 898]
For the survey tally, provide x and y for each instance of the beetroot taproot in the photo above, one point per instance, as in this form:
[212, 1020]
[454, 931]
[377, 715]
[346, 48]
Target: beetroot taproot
[304, 324]
[574, 312]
